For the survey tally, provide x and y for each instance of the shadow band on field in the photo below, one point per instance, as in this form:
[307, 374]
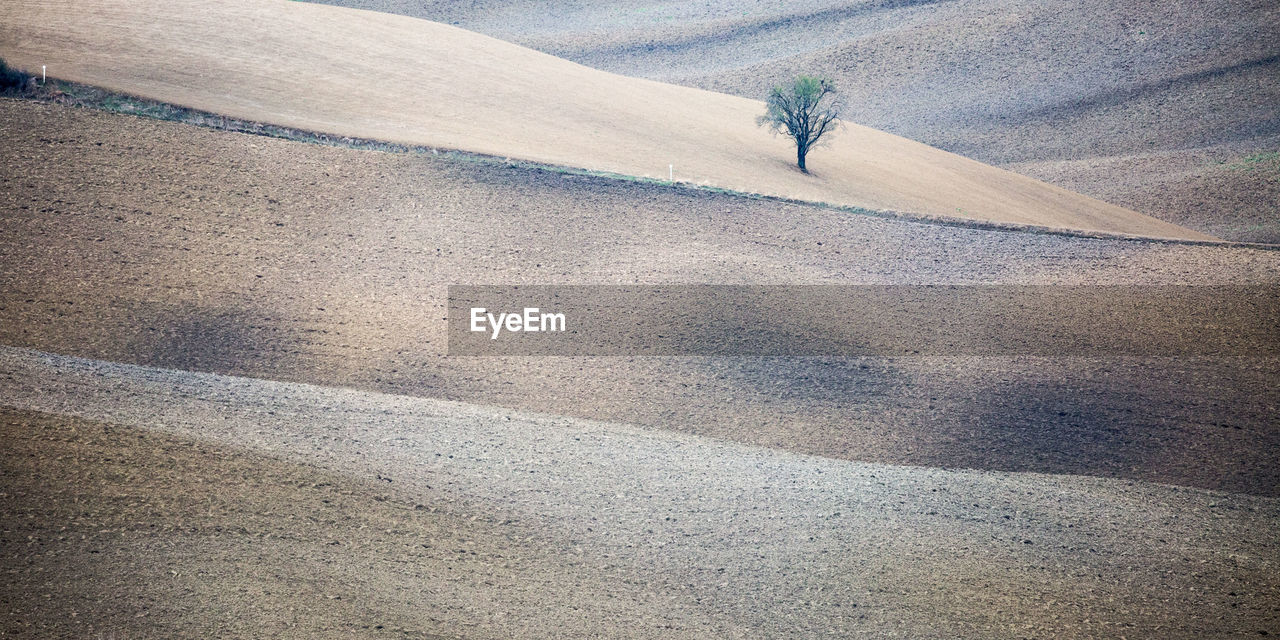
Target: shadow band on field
[858, 321]
[1203, 421]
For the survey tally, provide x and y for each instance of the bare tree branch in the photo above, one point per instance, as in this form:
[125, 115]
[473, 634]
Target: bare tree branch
[807, 110]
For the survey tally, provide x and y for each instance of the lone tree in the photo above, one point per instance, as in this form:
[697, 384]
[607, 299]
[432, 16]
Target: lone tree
[805, 110]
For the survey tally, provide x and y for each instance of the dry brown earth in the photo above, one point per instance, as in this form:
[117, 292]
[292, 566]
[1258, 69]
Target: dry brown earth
[159, 503]
[140, 502]
[162, 244]
[389, 77]
[1149, 106]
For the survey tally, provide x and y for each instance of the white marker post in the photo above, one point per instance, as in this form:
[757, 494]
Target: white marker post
[42, 75]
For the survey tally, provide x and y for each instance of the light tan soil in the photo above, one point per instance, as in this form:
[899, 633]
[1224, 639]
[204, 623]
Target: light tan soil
[1143, 101]
[387, 77]
[1226, 193]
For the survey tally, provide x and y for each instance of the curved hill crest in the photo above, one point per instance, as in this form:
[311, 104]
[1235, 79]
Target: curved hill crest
[389, 77]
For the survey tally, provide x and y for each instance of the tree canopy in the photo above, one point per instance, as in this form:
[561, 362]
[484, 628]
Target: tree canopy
[805, 110]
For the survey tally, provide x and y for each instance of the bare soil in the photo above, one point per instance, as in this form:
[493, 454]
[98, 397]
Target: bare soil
[388, 77]
[145, 502]
[1139, 104]
[162, 244]
[162, 503]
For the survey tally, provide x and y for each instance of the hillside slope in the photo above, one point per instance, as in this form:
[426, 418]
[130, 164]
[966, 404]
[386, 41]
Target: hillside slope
[1148, 105]
[328, 266]
[394, 78]
[178, 504]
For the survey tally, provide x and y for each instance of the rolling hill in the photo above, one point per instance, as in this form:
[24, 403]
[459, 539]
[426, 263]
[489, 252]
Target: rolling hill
[1151, 106]
[227, 406]
[400, 79]
[189, 505]
[328, 266]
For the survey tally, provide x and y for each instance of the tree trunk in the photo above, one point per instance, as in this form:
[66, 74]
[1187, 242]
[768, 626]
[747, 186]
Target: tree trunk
[800, 154]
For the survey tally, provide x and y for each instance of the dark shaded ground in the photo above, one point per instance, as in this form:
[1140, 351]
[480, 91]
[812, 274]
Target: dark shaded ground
[153, 243]
[112, 532]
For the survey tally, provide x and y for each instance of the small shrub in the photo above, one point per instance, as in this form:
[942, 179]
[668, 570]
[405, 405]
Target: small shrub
[11, 78]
